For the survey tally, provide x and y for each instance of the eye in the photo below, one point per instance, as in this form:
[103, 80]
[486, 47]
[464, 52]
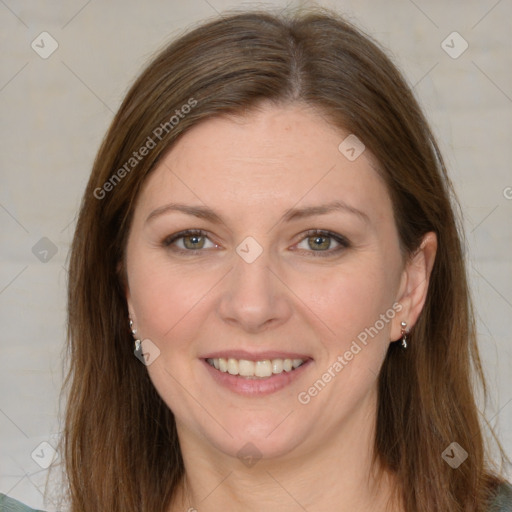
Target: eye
[316, 242]
[189, 241]
[319, 241]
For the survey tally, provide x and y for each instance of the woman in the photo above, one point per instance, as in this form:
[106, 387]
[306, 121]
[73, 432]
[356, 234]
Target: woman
[269, 229]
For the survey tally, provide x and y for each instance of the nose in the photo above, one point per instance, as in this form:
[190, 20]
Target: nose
[254, 297]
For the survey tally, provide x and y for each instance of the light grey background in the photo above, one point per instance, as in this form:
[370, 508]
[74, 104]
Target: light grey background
[55, 112]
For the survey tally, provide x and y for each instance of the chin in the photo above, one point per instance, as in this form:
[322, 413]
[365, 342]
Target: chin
[265, 437]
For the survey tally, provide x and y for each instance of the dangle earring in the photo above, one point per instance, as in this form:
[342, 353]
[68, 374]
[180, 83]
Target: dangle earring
[137, 343]
[404, 335]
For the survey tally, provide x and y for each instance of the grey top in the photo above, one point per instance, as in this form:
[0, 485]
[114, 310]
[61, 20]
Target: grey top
[502, 502]
[9, 505]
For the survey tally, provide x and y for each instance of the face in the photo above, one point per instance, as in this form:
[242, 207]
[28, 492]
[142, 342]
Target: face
[257, 246]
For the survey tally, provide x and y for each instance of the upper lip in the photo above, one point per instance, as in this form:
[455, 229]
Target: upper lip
[254, 356]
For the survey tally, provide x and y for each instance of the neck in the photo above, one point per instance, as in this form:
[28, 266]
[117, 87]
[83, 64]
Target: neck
[341, 472]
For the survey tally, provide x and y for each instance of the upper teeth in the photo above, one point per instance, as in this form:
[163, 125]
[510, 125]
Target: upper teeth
[246, 368]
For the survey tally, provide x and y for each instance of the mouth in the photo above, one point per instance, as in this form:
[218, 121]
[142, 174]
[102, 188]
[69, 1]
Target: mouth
[255, 375]
[248, 369]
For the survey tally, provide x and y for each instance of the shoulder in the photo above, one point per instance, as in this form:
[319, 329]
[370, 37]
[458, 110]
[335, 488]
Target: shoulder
[503, 499]
[9, 505]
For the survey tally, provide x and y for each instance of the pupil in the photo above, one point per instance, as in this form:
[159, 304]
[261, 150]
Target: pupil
[193, 241]
[321, 242]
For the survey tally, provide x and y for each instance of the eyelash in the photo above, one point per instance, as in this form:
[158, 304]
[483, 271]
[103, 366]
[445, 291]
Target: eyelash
[341, 240]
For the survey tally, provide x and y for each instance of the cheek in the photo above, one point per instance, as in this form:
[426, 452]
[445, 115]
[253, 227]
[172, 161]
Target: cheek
[165, 298]
[350, 301]
[169, 304]
[355, 309]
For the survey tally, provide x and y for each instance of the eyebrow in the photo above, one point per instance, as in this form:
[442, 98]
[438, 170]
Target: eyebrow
[203, 212]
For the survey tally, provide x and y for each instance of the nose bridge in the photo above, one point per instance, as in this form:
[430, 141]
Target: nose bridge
[252, 296]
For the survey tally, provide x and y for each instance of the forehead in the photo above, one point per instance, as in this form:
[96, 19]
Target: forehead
[267, 160]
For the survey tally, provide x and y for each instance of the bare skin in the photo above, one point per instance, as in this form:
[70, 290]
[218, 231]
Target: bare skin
[310, 294]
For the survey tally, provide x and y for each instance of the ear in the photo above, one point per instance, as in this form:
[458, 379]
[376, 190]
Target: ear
[123, 281]
[414, 284]
[129, 304]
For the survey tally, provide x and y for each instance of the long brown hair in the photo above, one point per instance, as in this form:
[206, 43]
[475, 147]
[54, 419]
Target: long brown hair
[120, 444]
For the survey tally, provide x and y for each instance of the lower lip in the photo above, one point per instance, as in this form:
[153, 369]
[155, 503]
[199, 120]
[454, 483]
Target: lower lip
[256, 387]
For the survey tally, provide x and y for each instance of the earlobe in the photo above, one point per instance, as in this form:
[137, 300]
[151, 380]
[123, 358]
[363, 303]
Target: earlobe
[414, 284]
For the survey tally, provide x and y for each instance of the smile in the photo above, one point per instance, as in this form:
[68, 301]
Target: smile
[254, 369]
[260, 377]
